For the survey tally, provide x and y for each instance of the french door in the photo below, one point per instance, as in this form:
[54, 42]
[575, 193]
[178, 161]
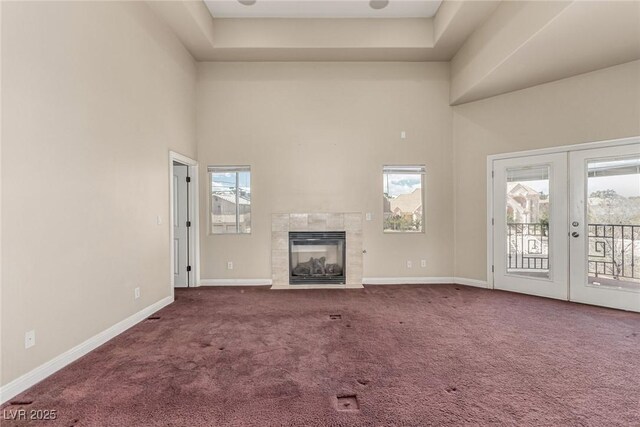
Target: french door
[605, 227]
[530, 227]
[567, 225]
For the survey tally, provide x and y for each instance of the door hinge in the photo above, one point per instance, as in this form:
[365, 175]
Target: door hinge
[493, 174]
[493, 269]
[493, 221]
[188, 179]
[188, 223]
[188, 268]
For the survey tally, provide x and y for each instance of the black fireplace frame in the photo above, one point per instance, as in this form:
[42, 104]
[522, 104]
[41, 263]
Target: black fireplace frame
[318, 238]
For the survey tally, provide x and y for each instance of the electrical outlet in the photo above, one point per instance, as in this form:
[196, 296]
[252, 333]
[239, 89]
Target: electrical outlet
[136, 293]
[409, 264]
[229, 265]
[403, 135]
[423, 263]
[368, 216]
[159, 220]
[29, 339]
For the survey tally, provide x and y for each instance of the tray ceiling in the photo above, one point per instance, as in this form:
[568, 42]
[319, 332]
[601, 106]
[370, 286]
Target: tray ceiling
[321, 9]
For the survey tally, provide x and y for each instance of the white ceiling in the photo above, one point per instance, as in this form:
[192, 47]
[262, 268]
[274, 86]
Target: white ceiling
[322, 9]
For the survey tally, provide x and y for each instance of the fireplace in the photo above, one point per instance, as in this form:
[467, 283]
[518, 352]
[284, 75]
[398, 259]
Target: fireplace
[347, 225]
[317, 257]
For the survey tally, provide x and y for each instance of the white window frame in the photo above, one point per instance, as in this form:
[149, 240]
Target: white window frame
[228, 169]
[415, 169]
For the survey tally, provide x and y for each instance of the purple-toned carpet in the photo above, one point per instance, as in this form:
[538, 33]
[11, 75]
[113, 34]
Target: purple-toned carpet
[409, 355]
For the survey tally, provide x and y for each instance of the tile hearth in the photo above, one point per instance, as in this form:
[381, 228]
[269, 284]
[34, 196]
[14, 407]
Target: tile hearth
[281, 224]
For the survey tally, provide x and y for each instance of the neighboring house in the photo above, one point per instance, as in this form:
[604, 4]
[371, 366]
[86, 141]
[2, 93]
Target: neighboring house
[407, 205]
[524, 204]
[223, 210]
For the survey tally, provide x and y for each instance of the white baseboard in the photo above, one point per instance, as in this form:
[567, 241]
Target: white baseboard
[471, 282]
[235, 282]
[424, 281]
[36, 375]
[406, 280]
[365, 280]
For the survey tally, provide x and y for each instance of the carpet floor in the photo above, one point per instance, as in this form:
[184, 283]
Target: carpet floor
[409, 355]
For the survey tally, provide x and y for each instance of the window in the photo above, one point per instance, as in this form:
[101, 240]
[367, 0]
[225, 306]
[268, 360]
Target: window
[403, 199]
[230, 204]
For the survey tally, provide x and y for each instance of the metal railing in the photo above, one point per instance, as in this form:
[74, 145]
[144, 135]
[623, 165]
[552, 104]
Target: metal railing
[528, 245]
[614, 249]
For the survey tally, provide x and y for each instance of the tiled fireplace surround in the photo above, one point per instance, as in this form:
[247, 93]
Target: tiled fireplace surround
[281, 224]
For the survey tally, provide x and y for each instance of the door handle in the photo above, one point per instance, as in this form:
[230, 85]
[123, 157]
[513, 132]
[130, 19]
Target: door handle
[575, 234]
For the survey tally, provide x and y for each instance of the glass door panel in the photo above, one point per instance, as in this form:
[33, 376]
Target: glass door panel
[605, 228]
[613, 215]
[527, 210]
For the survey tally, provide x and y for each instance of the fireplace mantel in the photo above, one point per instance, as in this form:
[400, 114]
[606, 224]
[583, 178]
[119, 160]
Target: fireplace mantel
[283, 223]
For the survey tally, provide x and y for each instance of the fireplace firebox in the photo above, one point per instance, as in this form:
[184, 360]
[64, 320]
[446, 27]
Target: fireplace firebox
[317, 257]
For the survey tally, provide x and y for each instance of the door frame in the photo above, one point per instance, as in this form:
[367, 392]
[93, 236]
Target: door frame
[562, 148]
[194, 232]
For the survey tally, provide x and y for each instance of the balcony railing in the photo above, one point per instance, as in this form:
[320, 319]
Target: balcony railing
[528, 245]
[614, 249]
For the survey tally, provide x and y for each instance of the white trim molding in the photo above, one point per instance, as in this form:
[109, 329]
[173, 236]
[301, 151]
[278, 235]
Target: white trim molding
[194, 206]
[366, 281]
[38, 374]
[489, 221]
[472, 282]
[407, 280]
[425, 281]
[235, 282]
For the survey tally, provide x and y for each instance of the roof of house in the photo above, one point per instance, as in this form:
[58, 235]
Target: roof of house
[514, 187]
[231, 198]
[409, 202]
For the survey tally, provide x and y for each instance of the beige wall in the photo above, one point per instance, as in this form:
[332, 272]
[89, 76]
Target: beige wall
[93, 96]
[600, 105]
[511, 26]
[316, 136]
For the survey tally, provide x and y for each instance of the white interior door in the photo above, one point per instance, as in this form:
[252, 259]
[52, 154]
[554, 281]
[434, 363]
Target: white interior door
[180, 225]
[530, 225]
[605, 227]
